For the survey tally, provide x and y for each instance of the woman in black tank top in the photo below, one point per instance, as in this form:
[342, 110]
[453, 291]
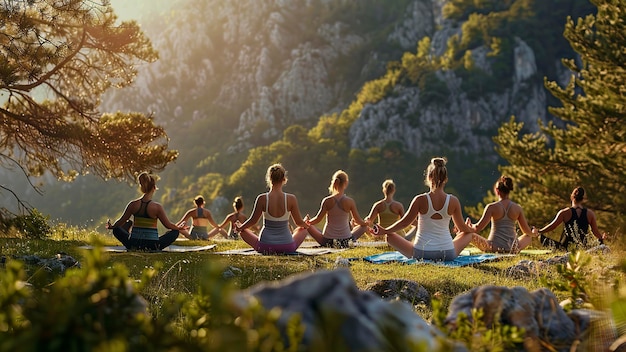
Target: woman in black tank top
[576, 222]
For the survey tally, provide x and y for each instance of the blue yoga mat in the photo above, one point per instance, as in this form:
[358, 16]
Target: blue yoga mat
[462, 260]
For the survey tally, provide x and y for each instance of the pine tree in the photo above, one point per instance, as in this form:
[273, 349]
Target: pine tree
[589, 147]
[57, 59]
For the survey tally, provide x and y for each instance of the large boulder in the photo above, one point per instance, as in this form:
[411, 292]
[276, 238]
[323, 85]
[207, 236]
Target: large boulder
[544, 321]
[339, 316]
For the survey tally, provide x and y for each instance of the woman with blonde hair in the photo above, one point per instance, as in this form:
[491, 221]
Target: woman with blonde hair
[387, 210]
[503, 215]
[338, 209]
[433, 211]
[144, 234]
[277, 207]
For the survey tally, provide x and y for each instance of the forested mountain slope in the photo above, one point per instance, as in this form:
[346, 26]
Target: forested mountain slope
[378, 87]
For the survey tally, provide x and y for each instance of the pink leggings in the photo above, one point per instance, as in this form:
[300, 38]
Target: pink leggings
[267, 248]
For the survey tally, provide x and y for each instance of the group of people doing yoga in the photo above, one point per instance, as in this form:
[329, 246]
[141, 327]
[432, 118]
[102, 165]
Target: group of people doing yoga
[430, 214]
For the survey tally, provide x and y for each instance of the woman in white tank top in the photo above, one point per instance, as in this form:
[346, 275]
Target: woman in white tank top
[433, 211]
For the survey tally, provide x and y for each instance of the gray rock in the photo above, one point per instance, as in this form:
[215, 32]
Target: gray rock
[231, 272]
[537, 312]
[337, 315]
[342, 262]
[57, 264]
[526, 269]
[530, 268]
[405, 290]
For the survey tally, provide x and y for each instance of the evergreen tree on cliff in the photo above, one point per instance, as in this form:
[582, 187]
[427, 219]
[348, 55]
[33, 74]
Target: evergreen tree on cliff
[590, 149]
[57, 59]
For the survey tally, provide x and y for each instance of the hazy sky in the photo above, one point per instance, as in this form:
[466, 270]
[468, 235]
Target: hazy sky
[135, 9]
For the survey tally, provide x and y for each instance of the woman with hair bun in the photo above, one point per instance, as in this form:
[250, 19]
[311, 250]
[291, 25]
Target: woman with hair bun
[338, 208]
[433, 211]
[576, 221]
[144, 234]
[387, 210]
[277, 207]
[200, 219]
[503, 215]
[236, 216]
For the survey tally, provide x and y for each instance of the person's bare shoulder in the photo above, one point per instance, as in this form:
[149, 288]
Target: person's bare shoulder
[590, 213]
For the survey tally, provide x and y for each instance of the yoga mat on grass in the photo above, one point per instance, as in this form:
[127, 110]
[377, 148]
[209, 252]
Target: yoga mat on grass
[170, 248]
[300, 251]
[474, 250]
[462, 260]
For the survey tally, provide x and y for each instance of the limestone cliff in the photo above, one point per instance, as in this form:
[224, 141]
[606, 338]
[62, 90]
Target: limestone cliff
[263, 67]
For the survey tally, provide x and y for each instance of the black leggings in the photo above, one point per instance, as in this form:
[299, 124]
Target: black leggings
[141, 244]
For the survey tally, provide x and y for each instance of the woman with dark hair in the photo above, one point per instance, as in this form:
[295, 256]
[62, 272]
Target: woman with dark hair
[144, 234]
[338, 208]
[200, 219]
[503, 215]
[576, 221]
[277, 207]
[433, 211]
[236, 216]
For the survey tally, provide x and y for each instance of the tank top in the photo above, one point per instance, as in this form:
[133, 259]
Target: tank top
[386, 217]
[503, 235]
[337, 221]
[576, 228]
[434, 234]
[144, 226]
[275, 229]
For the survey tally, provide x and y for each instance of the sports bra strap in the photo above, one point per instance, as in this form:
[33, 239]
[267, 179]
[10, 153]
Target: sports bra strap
[267, 203]
[145, 209]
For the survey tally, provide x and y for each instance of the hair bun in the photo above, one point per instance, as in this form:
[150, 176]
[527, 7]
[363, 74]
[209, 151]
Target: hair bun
[438, 162]
[578, 194]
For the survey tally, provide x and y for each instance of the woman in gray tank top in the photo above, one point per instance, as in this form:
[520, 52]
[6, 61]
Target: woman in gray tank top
[503, 215]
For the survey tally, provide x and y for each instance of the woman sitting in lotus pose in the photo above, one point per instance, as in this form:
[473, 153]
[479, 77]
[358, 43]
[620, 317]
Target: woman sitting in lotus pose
[337, 208]
[144, 234]
[277, 207]
[503, 215]
[200, 219]
[576, 221]
[433, 211]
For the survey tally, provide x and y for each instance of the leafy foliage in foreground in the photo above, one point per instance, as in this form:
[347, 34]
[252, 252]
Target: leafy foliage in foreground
[100, 308]
[33, 225]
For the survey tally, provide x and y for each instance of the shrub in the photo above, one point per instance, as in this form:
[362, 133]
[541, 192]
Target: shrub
[33, 225]
[99, 307]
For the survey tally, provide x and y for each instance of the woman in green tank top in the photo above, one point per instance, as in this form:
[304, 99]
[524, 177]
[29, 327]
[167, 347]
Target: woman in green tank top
[387, 211]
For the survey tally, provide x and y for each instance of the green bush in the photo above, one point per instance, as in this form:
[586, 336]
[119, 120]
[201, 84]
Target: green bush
[100, 308]
[33, 225]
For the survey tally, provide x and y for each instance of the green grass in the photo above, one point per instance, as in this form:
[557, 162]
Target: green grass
[181, 272]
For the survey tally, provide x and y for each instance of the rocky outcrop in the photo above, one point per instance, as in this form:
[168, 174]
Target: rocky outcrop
[271, 64]
[461, 123]
[337, 314]
[544, 322]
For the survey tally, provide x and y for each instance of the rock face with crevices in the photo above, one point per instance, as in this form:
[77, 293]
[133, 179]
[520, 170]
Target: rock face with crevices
[538, 313]
[336, 313]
